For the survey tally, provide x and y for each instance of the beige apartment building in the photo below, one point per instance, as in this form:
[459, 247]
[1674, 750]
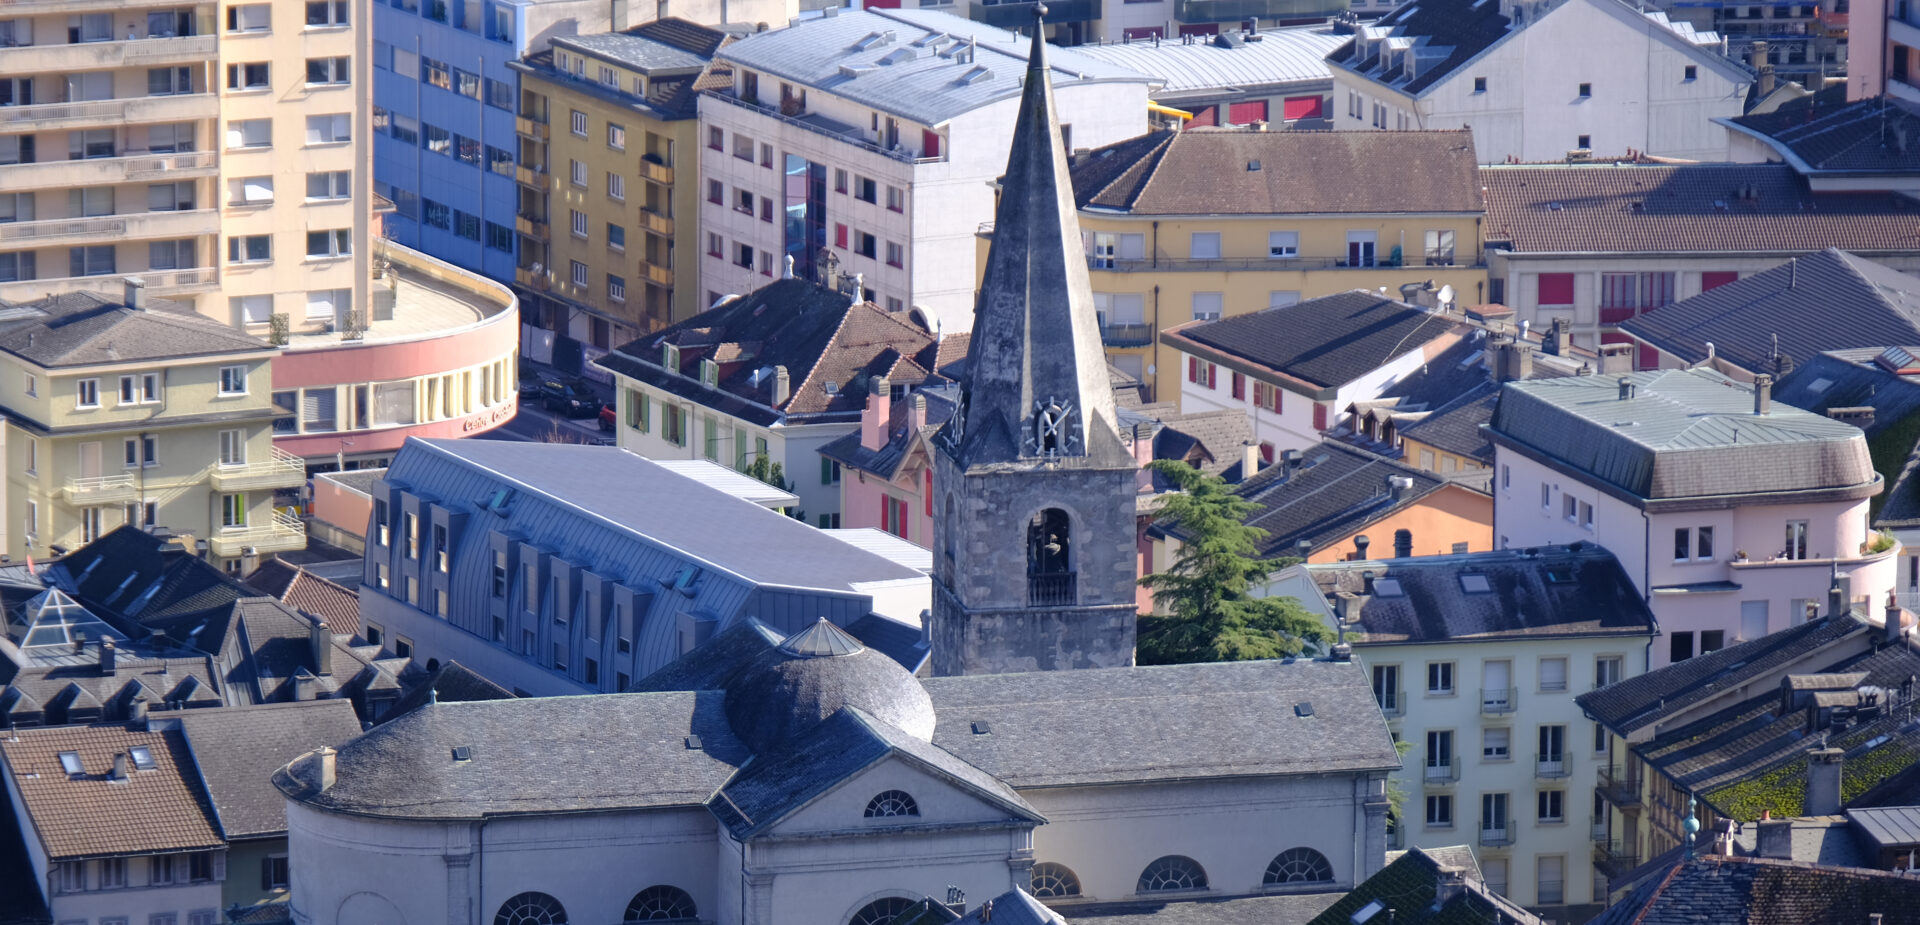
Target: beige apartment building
[216, 150]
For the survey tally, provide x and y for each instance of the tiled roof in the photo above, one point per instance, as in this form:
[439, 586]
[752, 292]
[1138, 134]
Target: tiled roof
[1212, 441]
[1695, 208]
[84, 328]
[237, 749]
[1827, 300]
[1413, 890]
[1544, 592]
[1247, 172]
[337, 605]
[1337, 490]
[1851, 137]
[1712, 890]
[1455, 426]
[90, 814]
[1325, 342]
[885, 462]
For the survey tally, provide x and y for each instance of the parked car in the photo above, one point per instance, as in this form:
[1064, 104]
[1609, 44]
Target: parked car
[570, 397]
[608, 419]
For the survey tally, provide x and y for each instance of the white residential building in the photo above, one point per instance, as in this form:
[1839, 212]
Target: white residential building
[1475, 660]
[1537, 79]
[1731, 513]
[864, 143]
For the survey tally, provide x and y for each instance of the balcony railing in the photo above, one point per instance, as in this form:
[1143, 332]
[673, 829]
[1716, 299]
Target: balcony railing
[532, 128]
[1052, 589]
[1229, 264]
[1126, 334]
[1018, 15]
[102, 170]
[655, 222]
[42, 117]
[1237, 10]
[1614, 857]
[535, 228]
[656, 274]
[1618, 787]
[159, 282]
[1442, 770]
[1392, 703]
[1550, 766]
[280, 533]
[1497, 700]
[93, 56]
[102, 489]
[1495, 835]
[656, 172]
[837, 131]
[534, 175]
[68, 231]
[38, 7]
[280, 470]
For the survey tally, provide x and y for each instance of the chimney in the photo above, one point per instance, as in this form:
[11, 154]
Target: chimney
[136, 293]
[1775, 839]
[1452, 883]
[328, 768]
[322, 641]
[1290, 461]
[1399, 486]
[1559, 339]
[1249, 459]
[1360, 553]
[1895, 619]
[874, 421]
[1616, 358]
[1762, 394]
[1823, 781]
[1839, 594]
[1626, 388]
[1763, 65]
[106, 657]
[918, 404]
[120, 766]
[782, 387]
[1347, 606]
[137, 708]
[1402, 543]
[1519, 362]
[1341, 652]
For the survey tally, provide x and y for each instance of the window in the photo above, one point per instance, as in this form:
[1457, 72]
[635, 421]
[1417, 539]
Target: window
[233, 448]
[1753, 619]
[70, 763]
[1439, 249]
[1205, 245]
[335, 128]
[829, 472]
[73, 874]
[1679, 646]
[1283, 244]
[233, 510]
[1553, 674]
[1553, 751]
[1267, 397]
[880, 911]
[88, 393]
[616, 288]
[327, 13]
[1439, 759]
[1796, 540]
[1496, 744]
[499, 94]
[673, 424]
[866, 245]
[254, 17]
[1051, 881]
[896, 199]
[252, 76]
[1586, 91]
[638, 406]
[1703, 545]
[1549, 884]
[1584, 141]
[436, 73]
[896, 255]
[1207, 306]
[1200, 372]
[661, 903]
[577, 123]
[578, 222]
[466, 226]
[1479, 85]
[329, 71]
[1606, 670]
[865, 189]
[439, 140]
[616, 136]
[616, 187]
[1439, 811]
[892, 803]
[406, 129]
[531, 909]
[1440, 678]
[579, 273]
[250, 133]
[113, 871]
[273, 872]
[1171, 874]
[169, 81]
[436, 214]
[577, 172]
[1493, 818]
[160, 869]
[1690, 73]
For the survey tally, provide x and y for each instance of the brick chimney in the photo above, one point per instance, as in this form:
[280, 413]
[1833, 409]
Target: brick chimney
[876, 417]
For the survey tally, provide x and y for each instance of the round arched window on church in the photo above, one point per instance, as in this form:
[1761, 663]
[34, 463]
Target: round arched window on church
[531, 908]
[661, 903]
[881, 911]
[1051, 881]
[1299, 865]
[1171, 874]
[892, 803]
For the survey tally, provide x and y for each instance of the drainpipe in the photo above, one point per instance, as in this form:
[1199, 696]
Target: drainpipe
[1154, 255]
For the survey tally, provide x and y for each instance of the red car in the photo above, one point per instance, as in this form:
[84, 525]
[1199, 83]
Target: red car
[607, 418]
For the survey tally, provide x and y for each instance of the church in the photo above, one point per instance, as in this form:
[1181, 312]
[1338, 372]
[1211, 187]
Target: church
[806, 777]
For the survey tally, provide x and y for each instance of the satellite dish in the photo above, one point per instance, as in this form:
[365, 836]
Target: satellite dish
[1446, 294]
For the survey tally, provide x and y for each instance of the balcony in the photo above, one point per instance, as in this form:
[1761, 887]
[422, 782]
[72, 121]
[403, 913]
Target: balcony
[59, 232]
[1237, 10]
[1602, 831]
[1618, 787]
[281, 470]
[159, 282]
[655, 274]
[280, 533]
[1614, 857]
[1020, 15]
[656, 223]
[526, 276]
[532, 227]
[1126, 334]
[104, 170]
[1441, 771]
[1052, 589]
[1551, 767]
[42, 7]
[1498, 700]
[533, 176]
[43, 117]
[840, 131]
[95, 56]
[534, 129]
[102, 489]
[655, 172]
[1495, 835]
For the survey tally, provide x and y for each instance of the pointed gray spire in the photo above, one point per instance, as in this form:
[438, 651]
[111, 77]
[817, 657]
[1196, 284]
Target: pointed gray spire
[1036, 384]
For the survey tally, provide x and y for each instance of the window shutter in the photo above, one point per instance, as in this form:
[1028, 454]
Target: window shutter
[266, 873]
[1319, 417]
[219, 865]
[1553, 673]
[1556, 289]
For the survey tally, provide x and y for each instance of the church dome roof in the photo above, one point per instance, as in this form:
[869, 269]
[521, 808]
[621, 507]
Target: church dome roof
[810, 676]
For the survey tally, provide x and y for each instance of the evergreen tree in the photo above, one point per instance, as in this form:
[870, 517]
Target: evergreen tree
[1207, 613]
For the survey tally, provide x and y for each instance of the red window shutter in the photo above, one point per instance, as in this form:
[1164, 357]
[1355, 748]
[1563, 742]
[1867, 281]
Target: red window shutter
[1244, 113]
[1319, 417]
[929, 492]
[1556, 289]
[1202, 116]
[1239, 386]
[1303, 107]
[1715, 279]
[1193, 369]
[1277, 396]
[1211, 370]
[1266, 452]
[929, 143]
[1649, 358]
[839, 236]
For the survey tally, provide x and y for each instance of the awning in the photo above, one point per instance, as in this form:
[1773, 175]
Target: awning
[1168, 111]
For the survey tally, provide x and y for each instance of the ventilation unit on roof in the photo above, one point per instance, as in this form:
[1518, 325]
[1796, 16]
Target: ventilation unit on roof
[978, 73]
[1899, 361]
[898, 55]
[855, 70]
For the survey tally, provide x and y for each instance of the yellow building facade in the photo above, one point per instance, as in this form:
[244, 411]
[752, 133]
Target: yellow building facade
[608, 206]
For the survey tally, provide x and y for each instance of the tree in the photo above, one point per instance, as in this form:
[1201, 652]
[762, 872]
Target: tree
[772, 473]
[1208, 613]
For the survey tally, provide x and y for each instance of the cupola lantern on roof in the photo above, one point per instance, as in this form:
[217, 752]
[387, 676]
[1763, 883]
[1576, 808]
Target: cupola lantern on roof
[1034, 520]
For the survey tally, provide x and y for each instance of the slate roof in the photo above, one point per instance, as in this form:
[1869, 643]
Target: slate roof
[1693, 208]
[885, 462]
[1683, 434]
[91, 815]
[450, 683]
[1337, 490]
[1210, 68]
[534, 755]
[152, 582]
[1455, 426]
[778, 783]
[1247, 172]
[1827, 300]
[237, 749]
[1290, 909]
[1116, 725]
[336, 604]
[1848, 138]
[86, 328]
[1321, 343]
[829, 346]
[1536, 593]
[1710, 890]
[1409, 890]
[1211, 441]
[909, 62]
[1850, 379]
[784, 692]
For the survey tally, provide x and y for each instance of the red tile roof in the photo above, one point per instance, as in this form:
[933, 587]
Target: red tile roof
[89, 814]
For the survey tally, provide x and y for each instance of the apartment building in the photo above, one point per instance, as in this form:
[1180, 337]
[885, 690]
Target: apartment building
[1489, 649]
[607, 120]
[137, 411]
[1074, 22]
[1730, 512]
[1279, 76]
[1883, 50]
[1538, 79]
[857, 145]
[1196, 226]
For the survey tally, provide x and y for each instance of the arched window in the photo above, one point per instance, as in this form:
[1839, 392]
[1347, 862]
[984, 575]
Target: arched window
[661, 903]
[881, 911]
[892, 803]
[1052, 880]
[1050, 559]
[531, 909]
[1299, 865]
[1173, 873]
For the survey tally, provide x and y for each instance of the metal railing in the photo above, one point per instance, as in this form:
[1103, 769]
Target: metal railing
[100, 486]
[853, 135]
[1619, 787]
[1496, 835]
[1126, 334]
[1550, 766]
[1392, 702]
[1051, 589]
[1614, 857]
[1441, 770]
[1238, 10]
[1013, 14]
[1498, 699]
[280, 468]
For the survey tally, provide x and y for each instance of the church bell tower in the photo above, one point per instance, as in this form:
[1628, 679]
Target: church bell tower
[1034, 536]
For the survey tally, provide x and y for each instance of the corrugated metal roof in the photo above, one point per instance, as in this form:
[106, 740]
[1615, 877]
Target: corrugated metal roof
[904, 61]
[1889, 826]
[1281, 56]
[719, 477]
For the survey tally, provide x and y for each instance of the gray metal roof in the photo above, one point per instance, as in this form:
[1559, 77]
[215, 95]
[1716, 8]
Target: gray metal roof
[237, 749]
[1128, 725]
[1889, 826]
[1683, 433]
[636, 51]
[908, 65]
[737, 484]
[1205, 68]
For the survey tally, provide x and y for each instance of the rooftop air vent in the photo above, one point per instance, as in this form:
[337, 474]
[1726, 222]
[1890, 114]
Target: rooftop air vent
[974, 75]
[1899, 360]
[463, 753]
[1303, 709]
[855, 70]
[980, 727]
[693, 743]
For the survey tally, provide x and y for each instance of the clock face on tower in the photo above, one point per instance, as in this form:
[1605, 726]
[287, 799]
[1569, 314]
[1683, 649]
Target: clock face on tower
[1052, 432]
